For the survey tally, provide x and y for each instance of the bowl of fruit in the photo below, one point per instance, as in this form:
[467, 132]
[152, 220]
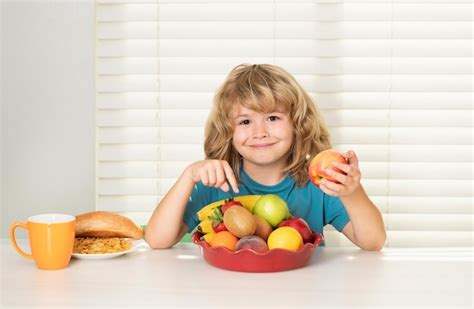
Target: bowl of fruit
[254, 233]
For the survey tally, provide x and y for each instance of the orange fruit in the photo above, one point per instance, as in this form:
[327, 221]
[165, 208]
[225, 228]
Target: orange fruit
[285, 237]
[224, 239]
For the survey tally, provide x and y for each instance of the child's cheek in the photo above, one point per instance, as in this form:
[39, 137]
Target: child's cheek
[239, 136]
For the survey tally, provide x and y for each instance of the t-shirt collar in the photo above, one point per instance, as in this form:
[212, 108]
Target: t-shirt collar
[281, 186]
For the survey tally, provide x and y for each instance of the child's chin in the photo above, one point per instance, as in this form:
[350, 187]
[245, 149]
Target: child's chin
[264, 162]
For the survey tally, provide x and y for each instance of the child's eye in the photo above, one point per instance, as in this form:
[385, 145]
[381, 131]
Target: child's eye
[244, 122]
[273, 118]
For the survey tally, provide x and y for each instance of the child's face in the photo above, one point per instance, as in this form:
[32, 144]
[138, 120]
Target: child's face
[262, 138]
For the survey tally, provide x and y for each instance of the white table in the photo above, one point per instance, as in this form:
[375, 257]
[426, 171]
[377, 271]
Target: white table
[180, 277]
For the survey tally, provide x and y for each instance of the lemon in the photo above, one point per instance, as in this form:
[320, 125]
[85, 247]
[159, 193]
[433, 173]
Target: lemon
[285, 237]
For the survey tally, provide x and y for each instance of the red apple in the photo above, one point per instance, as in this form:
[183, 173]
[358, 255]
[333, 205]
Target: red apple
[323, 161]
[301, 226]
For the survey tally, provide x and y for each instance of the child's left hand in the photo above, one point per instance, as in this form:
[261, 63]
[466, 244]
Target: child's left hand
[349, 182]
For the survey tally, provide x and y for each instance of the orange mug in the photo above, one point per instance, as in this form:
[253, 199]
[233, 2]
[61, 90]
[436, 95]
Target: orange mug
[51, 239]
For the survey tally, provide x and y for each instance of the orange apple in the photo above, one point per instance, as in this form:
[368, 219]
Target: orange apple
[323, 161]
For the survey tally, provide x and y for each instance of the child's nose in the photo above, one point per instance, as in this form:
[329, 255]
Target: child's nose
[260, 131]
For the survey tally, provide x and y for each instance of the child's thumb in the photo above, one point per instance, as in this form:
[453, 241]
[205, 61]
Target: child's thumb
[352, 157]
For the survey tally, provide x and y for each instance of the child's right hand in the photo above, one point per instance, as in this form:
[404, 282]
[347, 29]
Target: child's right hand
[213, 173]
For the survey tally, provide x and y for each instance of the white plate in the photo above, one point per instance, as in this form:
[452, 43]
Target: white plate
[101, 256]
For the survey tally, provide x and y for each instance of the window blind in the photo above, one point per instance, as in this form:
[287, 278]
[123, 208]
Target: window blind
[393, 79]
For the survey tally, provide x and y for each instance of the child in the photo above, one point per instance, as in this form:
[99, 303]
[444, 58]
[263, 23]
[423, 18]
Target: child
[261, 133]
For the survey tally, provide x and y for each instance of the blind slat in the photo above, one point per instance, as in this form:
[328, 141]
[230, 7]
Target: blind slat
[374, 187]
[284, 48]
[333, 83]
[284, 30]
[339, 100]
[372, 170]
[341, 135]
[429, 222]
[285, 12]
[377, 152]
[334, 118]
[278, 1]
[297, 66]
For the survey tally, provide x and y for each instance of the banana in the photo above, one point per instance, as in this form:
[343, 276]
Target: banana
[205, 227]
[207, 211]
[248, 201]
[208, 237]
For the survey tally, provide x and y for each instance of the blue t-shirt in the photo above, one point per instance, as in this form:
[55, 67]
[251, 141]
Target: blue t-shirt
[307, 202]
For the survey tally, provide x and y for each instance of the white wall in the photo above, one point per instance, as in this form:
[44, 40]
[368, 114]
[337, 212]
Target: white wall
[48, 133]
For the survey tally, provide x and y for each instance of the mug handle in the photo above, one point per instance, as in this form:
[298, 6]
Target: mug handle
[13, 240]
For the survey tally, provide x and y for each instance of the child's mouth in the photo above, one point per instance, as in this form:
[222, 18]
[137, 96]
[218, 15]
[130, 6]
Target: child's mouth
[261, 146]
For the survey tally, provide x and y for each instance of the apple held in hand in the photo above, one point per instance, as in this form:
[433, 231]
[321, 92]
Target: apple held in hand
[272, 208]
[301, 226]
[323, 161]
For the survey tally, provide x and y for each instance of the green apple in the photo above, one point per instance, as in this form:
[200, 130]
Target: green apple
[272, 208]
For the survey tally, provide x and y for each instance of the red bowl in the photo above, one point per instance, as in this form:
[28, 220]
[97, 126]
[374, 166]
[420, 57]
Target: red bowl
[247, 260]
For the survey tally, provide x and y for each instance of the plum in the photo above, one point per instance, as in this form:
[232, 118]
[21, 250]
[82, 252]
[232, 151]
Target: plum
[252, 242]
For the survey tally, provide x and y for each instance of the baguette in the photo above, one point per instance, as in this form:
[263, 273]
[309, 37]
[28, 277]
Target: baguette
[106, 224]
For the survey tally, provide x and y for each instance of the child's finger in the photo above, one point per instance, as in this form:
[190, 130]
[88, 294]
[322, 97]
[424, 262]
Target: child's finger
[220, 176]
[353, 158]
[204, 177]
[229, 173]
[331, 185]
[327, 190]
[212, 177]
[349, 169]
[225, 187]
[338, 176]
[346, 168]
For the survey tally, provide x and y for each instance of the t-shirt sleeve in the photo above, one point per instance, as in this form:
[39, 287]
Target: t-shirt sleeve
[335, 213]
[200, 197]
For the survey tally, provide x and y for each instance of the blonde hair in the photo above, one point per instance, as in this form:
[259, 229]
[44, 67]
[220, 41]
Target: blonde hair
[266, 88]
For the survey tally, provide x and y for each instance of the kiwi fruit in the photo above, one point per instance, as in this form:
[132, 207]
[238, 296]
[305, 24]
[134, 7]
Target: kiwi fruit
[239, 221]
